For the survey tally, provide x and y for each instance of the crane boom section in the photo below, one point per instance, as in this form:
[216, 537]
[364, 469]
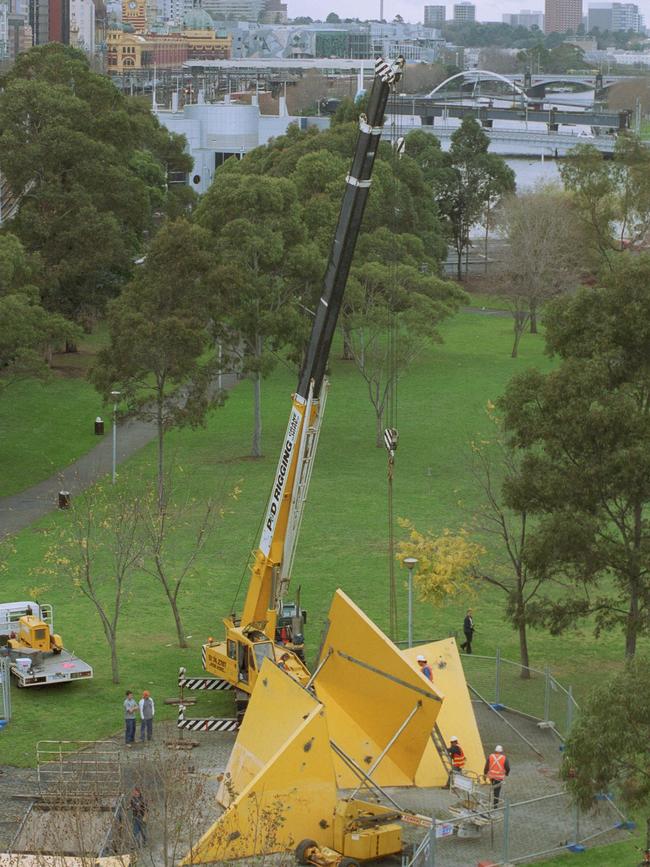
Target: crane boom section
[263, 598]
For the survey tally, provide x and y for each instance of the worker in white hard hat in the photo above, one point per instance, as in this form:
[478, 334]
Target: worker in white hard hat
[497, 768]
[456, 753]
[425, 668]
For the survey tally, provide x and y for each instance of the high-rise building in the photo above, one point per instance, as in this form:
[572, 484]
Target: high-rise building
[59, 21]
[464, 12]
[435, 16]
[562, 15]
[614, 17]
[82, 25]
[524, 18]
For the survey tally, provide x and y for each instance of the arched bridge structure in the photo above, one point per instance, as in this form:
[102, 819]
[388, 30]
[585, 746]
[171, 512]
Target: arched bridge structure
[475, 76]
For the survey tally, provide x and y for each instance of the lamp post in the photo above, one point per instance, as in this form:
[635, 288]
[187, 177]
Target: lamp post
[410, 563]
[115, 395]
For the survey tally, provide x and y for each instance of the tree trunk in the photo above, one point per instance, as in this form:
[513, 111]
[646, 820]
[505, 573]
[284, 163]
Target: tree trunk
[632, 623]
[257, 416]
[379, 438]
[161, 450]
[177, 618]
[533, 318]
[515, 345]
[520, 622]
[348, 355]
[459, 263]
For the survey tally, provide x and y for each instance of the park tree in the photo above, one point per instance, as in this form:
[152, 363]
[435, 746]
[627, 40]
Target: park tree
[256, 227]
[89, 164]
[28, 332]
[583, 430]
[464, 182]
[608, 745]
[98, 550]
[178, 541]
[391, 315]
[162, 332]
[545, 253]
[612, 196]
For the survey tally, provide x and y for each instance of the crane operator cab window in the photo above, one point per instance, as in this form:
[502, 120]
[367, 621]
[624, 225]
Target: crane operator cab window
[242, 662]
[263, 650]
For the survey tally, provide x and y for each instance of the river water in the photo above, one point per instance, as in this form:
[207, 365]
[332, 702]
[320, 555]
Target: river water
[530, 172]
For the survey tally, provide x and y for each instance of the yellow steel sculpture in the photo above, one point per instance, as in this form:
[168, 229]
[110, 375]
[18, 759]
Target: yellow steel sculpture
[456, 716]
[380, 710]
[280, 780]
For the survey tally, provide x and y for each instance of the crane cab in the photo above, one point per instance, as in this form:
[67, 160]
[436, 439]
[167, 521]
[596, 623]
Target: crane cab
[239, 658]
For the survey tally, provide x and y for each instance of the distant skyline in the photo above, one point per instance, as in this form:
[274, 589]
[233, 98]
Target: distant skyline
[486, 10]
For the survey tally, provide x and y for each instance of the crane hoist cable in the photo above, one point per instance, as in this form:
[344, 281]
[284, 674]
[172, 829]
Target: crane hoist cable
[391, 435]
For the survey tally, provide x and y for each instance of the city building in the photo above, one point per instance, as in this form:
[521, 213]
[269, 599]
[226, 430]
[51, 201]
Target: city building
[82, 25]
[614, 17]
[134, 15]
[219, 131]
[435, 16]
[525, 18]
[235, 10]
[4, 31]
[464, 12]
[562, 15]
[131, 52]
[413, 41]
[59, 21]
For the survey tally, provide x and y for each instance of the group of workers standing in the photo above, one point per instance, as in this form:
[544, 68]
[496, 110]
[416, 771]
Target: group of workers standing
[497, 765]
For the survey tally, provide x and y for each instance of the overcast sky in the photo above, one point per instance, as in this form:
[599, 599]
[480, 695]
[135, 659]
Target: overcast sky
[486, 10]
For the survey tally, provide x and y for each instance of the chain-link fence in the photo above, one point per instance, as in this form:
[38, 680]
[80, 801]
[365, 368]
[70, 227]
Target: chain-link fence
[530, 715]
[518, 832]
[528, 691]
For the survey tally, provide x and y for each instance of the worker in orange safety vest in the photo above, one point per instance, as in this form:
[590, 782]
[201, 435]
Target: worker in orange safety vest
[456, 753]
[497, 768]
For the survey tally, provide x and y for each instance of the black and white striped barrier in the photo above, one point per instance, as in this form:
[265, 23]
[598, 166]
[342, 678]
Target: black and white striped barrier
[201, 682]
[207, 724]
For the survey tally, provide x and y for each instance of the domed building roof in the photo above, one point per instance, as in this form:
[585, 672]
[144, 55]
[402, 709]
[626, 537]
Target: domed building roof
[197, 19]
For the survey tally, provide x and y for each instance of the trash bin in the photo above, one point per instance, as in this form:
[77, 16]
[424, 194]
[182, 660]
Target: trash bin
[99, 426]
[64, 499]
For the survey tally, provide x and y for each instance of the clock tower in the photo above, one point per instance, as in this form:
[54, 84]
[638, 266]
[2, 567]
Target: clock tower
[134, 13]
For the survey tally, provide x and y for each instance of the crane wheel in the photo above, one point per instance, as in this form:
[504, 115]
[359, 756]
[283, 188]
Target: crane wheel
[348, 862]
[303, 851]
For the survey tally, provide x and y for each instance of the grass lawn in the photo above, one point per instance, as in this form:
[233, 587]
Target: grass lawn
[343, 541]
[46, 426]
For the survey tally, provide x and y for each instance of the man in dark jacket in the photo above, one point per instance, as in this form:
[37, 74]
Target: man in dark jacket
[468, 629]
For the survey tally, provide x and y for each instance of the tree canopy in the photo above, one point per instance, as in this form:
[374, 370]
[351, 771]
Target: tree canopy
[585, 434]
[91, 164]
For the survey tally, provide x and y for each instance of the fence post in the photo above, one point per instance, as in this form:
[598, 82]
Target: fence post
[497, 683]
[506, 831]
[547, 693]
[569, 710]
[431, 849]
[5, 683]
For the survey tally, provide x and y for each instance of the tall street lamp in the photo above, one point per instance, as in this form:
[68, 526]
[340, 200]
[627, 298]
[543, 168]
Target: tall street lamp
[410, 563]
[116, 396]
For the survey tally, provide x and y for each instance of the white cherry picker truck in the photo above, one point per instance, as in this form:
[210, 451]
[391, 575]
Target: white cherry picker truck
[268, 626]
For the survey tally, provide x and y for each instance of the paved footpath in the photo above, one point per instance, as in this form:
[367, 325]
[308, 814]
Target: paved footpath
[18, 511]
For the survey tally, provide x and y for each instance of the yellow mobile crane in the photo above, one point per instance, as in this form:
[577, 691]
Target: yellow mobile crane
[268, 627]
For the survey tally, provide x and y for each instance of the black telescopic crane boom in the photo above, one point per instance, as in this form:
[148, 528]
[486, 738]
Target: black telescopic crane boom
[347, 229]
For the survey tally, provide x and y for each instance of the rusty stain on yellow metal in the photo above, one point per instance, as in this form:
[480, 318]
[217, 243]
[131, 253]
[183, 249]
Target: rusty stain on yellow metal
[456, 715]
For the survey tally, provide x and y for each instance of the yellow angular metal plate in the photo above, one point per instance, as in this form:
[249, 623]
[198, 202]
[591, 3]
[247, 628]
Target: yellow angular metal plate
[369, 689]
[457, 714]
[292, 796]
